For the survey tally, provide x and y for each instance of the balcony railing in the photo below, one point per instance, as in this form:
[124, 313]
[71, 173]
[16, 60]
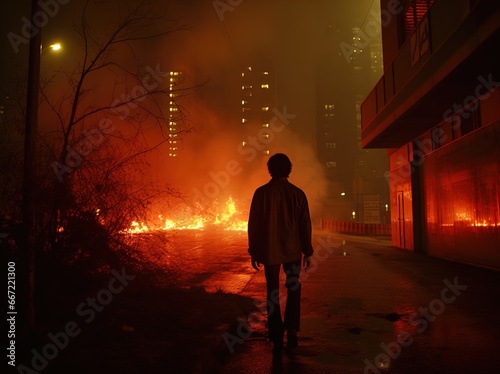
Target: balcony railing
[435, 28]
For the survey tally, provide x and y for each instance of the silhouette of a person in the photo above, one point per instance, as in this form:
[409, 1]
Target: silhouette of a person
[279, 233]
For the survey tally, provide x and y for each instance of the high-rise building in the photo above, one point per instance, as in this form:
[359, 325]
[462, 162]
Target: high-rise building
[258, 99]
[175, 115]
[370, 187]
[342, 81]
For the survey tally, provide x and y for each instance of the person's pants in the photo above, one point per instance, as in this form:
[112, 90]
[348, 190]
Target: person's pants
[276, 326]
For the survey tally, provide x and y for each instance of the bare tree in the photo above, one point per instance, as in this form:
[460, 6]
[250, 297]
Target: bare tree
[106, 110]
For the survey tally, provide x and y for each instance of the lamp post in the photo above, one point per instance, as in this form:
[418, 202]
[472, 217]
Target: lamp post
[28, 207]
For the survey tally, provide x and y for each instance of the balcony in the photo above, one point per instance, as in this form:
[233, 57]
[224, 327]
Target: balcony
[438, 66]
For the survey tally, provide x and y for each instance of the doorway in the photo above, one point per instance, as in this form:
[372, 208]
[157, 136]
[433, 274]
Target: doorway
[401, 220]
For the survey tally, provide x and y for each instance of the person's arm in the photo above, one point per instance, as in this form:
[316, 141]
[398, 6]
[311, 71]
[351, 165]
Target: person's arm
[253, 229]
[305, 229]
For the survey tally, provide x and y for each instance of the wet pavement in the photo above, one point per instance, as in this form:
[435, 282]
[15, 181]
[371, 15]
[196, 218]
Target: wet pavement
[214, 260]
[366, 308]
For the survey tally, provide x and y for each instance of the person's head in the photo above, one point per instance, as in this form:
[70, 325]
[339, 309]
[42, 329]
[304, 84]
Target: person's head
[279, 166]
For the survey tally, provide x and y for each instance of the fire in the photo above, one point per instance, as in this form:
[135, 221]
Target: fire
[226, 217]
[137, 227]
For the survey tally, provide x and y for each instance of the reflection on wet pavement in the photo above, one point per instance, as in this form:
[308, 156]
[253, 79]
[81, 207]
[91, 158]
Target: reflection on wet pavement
[214, 260]
[369, 308]
[366, 307]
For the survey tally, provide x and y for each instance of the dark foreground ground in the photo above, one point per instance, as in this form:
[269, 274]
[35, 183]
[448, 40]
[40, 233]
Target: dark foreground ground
[366, 308]
[170, 331]
[141, 329]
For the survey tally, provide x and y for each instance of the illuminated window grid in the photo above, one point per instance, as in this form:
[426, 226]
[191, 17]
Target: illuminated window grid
[173, 128]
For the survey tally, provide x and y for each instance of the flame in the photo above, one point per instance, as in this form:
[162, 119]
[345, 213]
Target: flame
[226, 217]
[137, 228]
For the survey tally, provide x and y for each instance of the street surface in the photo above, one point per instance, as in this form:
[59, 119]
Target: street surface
[215, 260]
[366, 308]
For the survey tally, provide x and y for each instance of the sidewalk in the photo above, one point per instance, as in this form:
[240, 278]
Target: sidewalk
[370, 308]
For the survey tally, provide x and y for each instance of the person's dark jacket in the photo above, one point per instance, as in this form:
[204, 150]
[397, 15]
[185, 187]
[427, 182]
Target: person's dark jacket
[279, 225]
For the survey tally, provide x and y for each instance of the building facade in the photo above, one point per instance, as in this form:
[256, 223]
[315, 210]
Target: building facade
[436, 109]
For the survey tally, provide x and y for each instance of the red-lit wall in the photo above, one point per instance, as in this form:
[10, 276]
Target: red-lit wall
[461, 185]
[401, 199]
[444, 193]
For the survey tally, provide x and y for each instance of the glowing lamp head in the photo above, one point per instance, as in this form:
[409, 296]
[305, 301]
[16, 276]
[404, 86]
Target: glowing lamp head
[56, 46]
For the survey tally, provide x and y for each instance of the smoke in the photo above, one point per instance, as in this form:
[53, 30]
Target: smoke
[209, 165]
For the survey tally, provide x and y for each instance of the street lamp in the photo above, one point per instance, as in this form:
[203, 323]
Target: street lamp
[28, 208]
[56, 47]
[29, 175]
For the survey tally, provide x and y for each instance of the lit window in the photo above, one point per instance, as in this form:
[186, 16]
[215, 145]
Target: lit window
[265, 108]
[266, 152]
[266, 86]
[249, 68]
[331, 164]
[265, 73]
[243, 143]
[242, 74]
[265, 125]
[243, 120]
[266, 136]
[243, 102]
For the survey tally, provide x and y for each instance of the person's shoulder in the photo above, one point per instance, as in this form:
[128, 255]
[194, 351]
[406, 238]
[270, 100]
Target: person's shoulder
[293, 186]
[262, 188]
[297, 190]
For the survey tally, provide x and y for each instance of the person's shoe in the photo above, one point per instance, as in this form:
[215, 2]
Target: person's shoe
[292, 341]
